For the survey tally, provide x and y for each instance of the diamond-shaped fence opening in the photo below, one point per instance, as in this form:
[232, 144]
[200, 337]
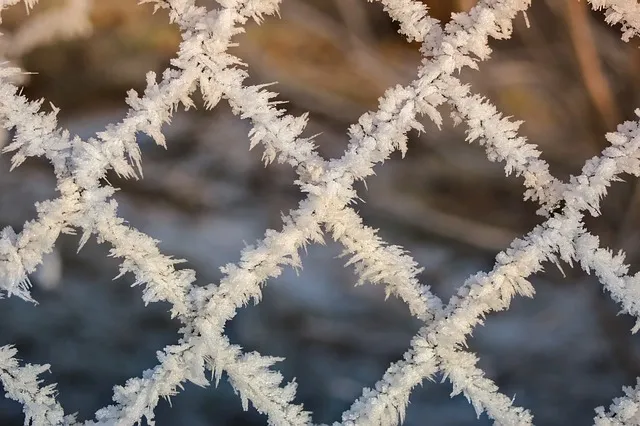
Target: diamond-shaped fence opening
[93, 331]
[537, 353]
[304, 45]
[335, 338]
[438, 350]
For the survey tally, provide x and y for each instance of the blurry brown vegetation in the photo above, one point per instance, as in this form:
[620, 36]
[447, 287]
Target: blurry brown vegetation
[568, 76]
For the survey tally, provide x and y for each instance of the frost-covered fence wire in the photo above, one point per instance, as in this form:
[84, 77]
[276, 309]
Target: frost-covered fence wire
[202, 63]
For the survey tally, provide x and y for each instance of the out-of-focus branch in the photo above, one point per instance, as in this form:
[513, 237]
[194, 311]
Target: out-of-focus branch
[357, 30]
[355, 18]
[577, 18]
[466, 5]
[60, 23]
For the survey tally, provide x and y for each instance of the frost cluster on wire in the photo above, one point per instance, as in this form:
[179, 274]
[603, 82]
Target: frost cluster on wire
[202, 63]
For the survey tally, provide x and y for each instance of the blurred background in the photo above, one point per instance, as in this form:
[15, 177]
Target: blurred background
[569, 76]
